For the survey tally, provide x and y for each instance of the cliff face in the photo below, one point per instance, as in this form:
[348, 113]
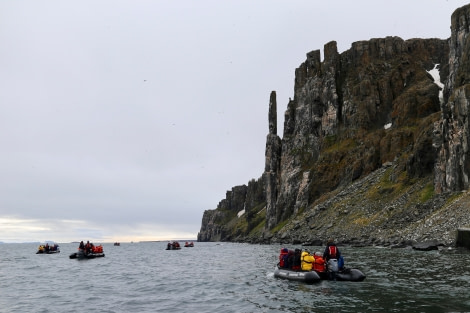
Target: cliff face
[452, 130]
[241, 203]
[374, 104]
[335, 125]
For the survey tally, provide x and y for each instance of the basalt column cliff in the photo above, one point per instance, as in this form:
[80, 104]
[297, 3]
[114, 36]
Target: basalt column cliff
[452, 130]
[374, 149]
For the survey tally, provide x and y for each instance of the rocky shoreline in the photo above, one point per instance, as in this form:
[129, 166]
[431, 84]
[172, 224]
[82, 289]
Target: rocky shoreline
[351, 218]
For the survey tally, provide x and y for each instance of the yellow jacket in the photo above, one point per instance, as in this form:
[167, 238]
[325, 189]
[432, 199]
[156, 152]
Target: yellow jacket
[307, 261]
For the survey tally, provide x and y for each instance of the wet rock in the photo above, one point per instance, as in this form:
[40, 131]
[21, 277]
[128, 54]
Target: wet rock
[427, 245]
[315, 242]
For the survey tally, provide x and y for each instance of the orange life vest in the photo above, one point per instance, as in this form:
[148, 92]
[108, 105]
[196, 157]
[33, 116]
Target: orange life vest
[98, 249]
[319, 264]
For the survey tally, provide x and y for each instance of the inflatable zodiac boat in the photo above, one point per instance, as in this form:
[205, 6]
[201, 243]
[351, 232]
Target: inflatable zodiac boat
[175, 245]
[46, 249]
[348, 274]
[82, 256]
[96, 252]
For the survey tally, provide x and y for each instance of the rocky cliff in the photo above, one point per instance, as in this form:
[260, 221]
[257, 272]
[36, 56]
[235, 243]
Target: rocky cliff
[375, 145]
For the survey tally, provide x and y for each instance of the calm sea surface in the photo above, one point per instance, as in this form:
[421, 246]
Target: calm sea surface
[226, 277]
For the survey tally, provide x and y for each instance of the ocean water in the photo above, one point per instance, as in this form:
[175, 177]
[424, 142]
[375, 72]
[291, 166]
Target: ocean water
[226, 277]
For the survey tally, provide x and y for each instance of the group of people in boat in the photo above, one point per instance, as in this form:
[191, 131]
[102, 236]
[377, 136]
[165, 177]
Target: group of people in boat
[325, 263]
[173, 245]
[48, 249]
[90, 248]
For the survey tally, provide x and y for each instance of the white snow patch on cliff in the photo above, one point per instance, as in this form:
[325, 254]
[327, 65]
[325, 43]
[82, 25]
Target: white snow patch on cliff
[435, 75]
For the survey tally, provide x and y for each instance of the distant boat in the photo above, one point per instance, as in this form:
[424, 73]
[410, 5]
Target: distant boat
[82, 255]
[175, 245]
[117, 244]
[46, 249]
[189, 244]
[88, 252]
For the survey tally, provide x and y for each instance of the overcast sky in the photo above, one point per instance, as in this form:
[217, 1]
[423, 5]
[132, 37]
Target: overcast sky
[125, 120]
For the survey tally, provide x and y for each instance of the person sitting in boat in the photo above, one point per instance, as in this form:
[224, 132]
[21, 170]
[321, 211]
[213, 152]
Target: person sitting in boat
[284, 258]
[290, 259]
[97, 249]
[295, 260]
[81, 246]
[87, 247]
[47, 248]
[307, 261]
[331, 251]
[319, 263]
